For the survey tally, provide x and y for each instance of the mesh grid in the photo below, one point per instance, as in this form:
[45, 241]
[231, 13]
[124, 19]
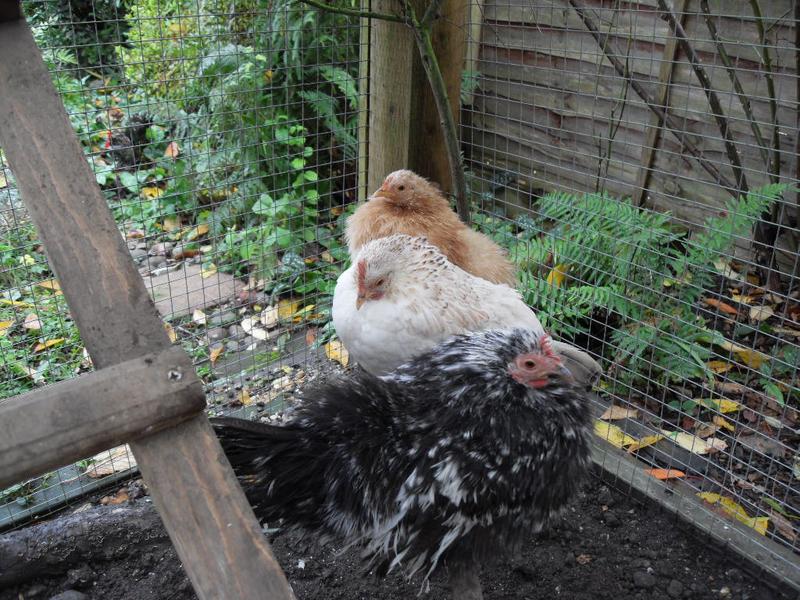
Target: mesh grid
[631, 248]
[224, 134]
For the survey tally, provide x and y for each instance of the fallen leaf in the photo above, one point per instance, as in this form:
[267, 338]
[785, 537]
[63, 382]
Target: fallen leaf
[761, 313]
[722, 422]
[612, 434]
[134, 234]
[796, 467]
[742, 299]
[721, 306]
[336, 351]
[15, 303]
[763, 444]
[119, 498]
[694, 444]
[558, 275]
[787, 331]
[644, 442]
[303, 313]
[284, 382]
[215, 353]
[196, 232]
[4, 327]
[50, 284]
[173, 337]
[48, 344]
[724, 268]
[719, 366]
[269, 317]
[244, 397]
[733, 509]
[112, 461]
[199, 317]
[250, 326]
[752, 358]
[287, 309]
[327, 257]
[722, 405]
[311, 335]
[728, 387]
[614, 413]
[664, 474]
[171, 223]
[32, 322]
[783, 526]
[583, 559]
[172, 150]
[208, 271]
[151, 192]
[706, 430]
[3, 180]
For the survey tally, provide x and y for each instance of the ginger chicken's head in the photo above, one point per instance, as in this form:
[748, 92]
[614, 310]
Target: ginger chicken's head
[406, 189]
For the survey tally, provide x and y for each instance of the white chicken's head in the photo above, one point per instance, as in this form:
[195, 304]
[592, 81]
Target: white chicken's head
[406, 189]
[387, 266]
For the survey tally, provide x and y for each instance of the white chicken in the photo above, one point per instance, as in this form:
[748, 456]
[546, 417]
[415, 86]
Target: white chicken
[402, 296]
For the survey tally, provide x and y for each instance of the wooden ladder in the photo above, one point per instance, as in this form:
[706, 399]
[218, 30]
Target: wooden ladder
[145, 390]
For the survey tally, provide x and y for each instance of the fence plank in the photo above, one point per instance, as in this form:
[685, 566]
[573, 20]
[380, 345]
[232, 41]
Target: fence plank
[95, 411]
[213, 528]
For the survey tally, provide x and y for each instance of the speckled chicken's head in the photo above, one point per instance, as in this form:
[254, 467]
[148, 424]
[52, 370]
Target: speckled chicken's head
[495, 365]
[387, 266]
[406, 189]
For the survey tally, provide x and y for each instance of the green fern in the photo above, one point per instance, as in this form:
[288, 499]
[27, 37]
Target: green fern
[630, 268]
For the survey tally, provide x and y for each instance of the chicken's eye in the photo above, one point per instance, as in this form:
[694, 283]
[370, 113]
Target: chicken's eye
[529, 364]
[401, 188]
[380, 282]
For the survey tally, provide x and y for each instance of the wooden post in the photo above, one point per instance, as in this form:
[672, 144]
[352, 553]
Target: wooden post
[404, 128]
[208, 518]
[429, 156]
[662, 99]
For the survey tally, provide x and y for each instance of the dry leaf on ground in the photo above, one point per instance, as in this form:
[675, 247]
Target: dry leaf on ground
[5, 326]
[664, 474]
[216, 353]
[721, 306]
[250, 326]
[694, 444]
[32, 322]
[761, 313]
[199, 317]
[173, 337]
[336, 351]
[557, 275]
[613, 434]
[783, 526]
[644, 442]
[50, 284]
[735, 510]
[111, 461]
[722, 405]
[615, 413]
[48, 344]
[721, 421]
[269, 317]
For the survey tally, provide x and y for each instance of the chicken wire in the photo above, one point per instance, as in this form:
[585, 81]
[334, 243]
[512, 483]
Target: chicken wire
[224, 134]
[545, 110]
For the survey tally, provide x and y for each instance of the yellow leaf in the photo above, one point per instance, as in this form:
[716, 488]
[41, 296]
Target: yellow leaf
[4, 326]
[327, 257]
[558, 275]
[197, 232]
[612, 434]
[244, 397]
[16, 303]
[173, 337]
[663, 474]
[27, 260]
[172, 150]
[268, 74]
[722, 405]
[723, 422]
[742, 299]
[692, 443]
[303, 313]
[761, 313]
[335, 350]
[172, 223]
[733, 509]
[287, 309]
[644, 442]
[614, 413]
[50, 284]
[719, 366]
[199, 317]
[752, 358]
[48, 344]
[209, 271]
[216, 352]
[150, 192]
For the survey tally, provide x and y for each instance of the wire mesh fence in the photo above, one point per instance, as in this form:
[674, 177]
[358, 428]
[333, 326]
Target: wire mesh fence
[639, 166]
[608, 145]
[225, 136]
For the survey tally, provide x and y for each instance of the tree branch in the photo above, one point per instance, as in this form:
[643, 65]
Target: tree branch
[711, 94]
[669, 122]
[352, 12]
[775, 165]
[737, 85]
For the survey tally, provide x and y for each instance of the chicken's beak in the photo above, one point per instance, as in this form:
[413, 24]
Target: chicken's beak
[360, 301]
[382, 193]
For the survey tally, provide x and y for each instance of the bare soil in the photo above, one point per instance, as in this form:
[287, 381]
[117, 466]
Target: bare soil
[608, 546]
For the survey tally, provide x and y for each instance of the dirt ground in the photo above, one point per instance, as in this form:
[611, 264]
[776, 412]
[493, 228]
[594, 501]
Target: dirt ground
[608, 546]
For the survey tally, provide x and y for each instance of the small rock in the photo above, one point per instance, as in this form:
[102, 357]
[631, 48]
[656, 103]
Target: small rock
[675, 589]
[612, 520]
[155, 261]
[217, 333]
[232, 346]
[644, 580]
[162, 248]
[220, 318]
[70, 595]
[235, 332]
[605, 497]
[80, 576]
[248, 342]
[138, 254]
[725, 592]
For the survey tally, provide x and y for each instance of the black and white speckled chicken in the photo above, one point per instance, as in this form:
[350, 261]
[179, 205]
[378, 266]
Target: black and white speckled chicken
[452, 459]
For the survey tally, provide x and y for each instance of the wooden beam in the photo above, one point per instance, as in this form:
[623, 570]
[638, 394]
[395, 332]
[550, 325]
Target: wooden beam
[95, 411]
[363, 104]
[213, 528]
[429, 155]
[656, 124]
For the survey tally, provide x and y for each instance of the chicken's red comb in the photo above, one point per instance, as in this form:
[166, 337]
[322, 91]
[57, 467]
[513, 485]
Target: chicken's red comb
[361, 270]
[547, 346]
